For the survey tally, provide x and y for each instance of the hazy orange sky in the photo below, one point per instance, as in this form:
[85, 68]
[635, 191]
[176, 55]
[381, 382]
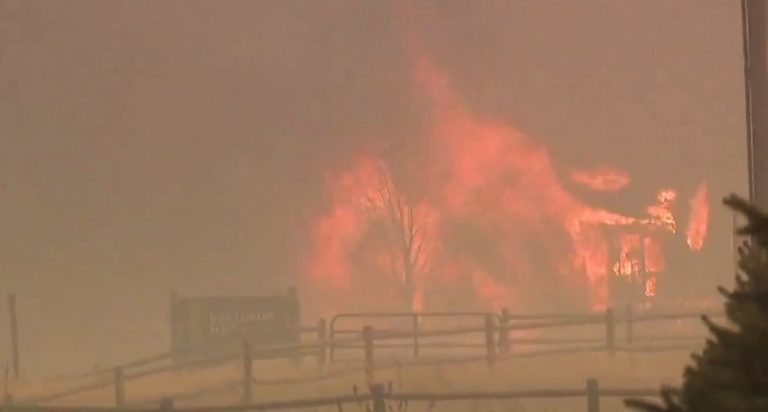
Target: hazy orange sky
[149, 145]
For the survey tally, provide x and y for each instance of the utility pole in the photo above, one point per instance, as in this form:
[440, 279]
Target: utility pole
[755, 36]
[14, 334]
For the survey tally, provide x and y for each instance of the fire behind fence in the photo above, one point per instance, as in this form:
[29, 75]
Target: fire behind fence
[498, 344]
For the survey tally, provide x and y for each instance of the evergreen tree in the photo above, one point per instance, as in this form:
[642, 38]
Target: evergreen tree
[731, 373]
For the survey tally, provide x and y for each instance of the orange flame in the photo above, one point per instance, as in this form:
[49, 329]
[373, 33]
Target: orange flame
[661, 213]
[697, 221]
[650, 287]
[628, 264]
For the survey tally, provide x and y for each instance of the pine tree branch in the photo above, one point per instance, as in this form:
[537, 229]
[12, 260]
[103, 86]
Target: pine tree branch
[754, 297]
[757, 225]
[668, 403]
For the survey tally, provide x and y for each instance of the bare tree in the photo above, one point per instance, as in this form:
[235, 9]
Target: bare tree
[407, 245]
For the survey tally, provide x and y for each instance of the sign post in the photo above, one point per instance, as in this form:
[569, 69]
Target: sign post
[14, 335]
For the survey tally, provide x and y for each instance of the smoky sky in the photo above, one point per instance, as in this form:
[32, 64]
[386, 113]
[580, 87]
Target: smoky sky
[149, 145]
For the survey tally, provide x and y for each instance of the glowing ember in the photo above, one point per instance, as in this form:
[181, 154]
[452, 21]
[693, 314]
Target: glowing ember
[697, 222]
[603, 179]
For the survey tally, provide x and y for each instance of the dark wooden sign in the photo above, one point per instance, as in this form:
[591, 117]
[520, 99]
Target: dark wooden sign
[210, 326]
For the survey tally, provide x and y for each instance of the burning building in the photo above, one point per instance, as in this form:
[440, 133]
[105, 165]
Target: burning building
[492, 225]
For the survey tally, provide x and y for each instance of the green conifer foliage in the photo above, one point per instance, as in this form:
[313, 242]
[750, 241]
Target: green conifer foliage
[731, 373]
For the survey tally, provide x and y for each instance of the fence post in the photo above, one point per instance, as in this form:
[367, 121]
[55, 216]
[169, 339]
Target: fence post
[119, 386]
[293, 297]
[504, 344]
[166, 405]
[7, 397]
[173, 318]
[247, 374]
[490, 342]
[610, 331]
[630, 323]
[379, 405]
[332, 337]
[593, 395]
[415, 335]
[368, 346]
[14, 335]
[322, 350]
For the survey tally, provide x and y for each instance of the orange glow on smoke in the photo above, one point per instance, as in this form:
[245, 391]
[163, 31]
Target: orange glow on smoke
[603, 179]
[486, 181]
[366, 204]
[654, 255]
[496, 294]
[696, 231]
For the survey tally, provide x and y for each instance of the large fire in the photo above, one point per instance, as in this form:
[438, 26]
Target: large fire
[491, 226]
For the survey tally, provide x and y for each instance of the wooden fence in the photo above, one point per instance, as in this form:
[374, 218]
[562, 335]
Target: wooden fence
[497, 344]
[375, 401]
[496, 330]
